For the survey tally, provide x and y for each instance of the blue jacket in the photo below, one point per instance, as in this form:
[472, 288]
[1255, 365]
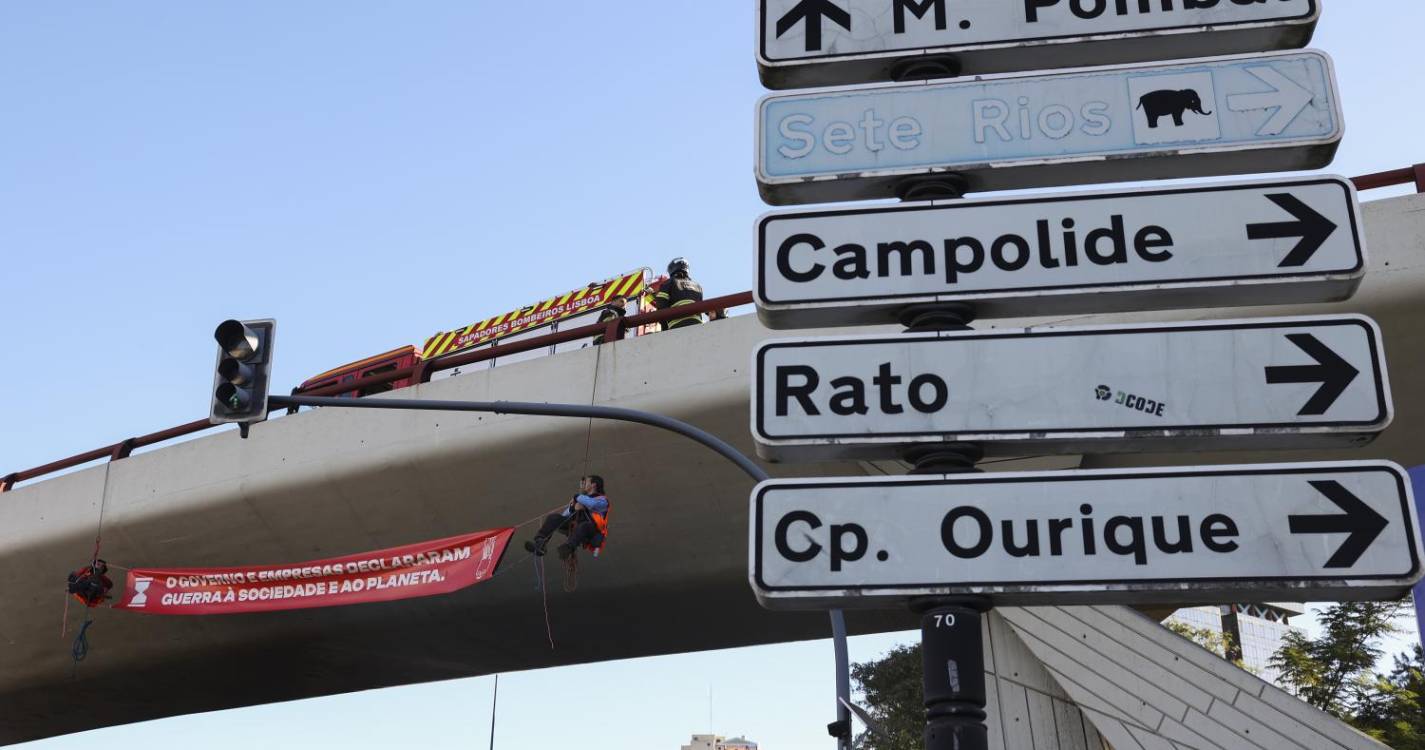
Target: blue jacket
[597, 504]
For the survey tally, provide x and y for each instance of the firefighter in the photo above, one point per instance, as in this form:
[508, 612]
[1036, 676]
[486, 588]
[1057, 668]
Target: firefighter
[679, 290]
[617, 309]
[90, 585]
[585, 521]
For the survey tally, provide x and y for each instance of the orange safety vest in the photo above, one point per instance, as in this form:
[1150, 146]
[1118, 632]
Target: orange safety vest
[601, 522]
[86, 572]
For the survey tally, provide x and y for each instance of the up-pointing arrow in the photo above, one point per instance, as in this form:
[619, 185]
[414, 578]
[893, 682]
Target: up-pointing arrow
[813, 11]
[1332, 371]
[1360, 521]
[1310, 227]
[1289, 97]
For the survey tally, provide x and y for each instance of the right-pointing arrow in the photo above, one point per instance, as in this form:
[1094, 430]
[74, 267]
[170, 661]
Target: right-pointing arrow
[1332, 371]
[1310, 227]
[1289, 98]
[1360, 521]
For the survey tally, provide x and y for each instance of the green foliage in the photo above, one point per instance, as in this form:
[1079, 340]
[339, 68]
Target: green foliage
[1332, 673]
[892, 689]
[1216, 641]
[1393, 709]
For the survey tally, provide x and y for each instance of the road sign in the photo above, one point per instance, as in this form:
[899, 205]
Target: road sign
[1216, 116]
[1258, 243]
[1291, 531]
[1268, 383]
[826, 42]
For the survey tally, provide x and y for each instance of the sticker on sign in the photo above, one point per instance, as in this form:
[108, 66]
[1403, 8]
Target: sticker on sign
[1215, 116]
[1269, 383]
[1291, 531]
[1257, 243]
[828, 42]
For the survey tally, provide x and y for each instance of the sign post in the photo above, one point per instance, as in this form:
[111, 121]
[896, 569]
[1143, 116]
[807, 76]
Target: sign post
[948, 541]
[825, 42]
[1217, 116]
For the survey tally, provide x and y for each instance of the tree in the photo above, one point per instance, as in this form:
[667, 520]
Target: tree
[1216, 641]
[1332, 672]
[1393, 710]
[892, 689]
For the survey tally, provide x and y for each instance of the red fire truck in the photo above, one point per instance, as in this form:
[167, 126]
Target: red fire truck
[580, 307]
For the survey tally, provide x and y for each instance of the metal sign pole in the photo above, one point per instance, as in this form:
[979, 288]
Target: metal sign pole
[951, 641]
[953, 657]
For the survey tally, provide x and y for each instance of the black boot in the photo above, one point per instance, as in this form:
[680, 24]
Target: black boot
[536, 545]
[565, 550]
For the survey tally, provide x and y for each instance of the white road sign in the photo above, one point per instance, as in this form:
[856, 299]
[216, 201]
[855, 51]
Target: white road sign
[1257, 243]
[1296, 532]
[828, 42]
[1203, 117]
[1265, 383]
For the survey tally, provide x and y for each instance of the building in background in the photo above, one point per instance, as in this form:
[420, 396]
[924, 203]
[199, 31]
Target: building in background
[1255, 631]
[715, 742]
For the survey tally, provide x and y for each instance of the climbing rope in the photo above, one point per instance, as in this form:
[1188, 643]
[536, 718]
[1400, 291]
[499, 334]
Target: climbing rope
[593, 394]
[99, 529]
[80, 650]
[544, 596]
[571, 574]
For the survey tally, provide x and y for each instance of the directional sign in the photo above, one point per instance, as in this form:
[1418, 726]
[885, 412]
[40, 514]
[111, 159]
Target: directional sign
[1256, 243]
[1268, 383]
[1291, 531]
[828, 42]
[1204, 117]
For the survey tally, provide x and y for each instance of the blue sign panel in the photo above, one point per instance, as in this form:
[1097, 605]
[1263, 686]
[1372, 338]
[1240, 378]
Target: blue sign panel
[1221, 115]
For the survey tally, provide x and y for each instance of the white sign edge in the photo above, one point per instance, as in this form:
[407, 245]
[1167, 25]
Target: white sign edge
[794, 449]
[870, 597]
[759, 299]
[764, 62]
[1325, 140]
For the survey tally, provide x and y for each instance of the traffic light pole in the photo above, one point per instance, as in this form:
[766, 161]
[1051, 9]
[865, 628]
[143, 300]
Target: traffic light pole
[841, 728]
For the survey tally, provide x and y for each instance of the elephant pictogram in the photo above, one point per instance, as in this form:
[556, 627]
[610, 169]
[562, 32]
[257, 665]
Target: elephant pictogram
[1167, 102]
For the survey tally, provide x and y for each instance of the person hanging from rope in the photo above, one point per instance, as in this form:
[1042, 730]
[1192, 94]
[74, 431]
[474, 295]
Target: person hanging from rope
[90, 585]
[679, 290]
[585, 521]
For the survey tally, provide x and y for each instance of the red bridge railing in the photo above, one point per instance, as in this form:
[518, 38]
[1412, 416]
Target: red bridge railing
[612, 331]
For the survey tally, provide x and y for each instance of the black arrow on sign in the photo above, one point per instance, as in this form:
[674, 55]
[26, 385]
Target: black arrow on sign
[1310, 227]
[1331, 371]
[1360, 521]
[813, 11]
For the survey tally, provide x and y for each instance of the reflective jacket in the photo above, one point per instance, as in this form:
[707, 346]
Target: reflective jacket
[677, 292]
[598, 507]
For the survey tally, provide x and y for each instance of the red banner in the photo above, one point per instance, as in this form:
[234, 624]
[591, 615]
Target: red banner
[422, 569]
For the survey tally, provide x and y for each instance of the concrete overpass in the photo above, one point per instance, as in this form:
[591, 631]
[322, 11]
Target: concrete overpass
[330, 482]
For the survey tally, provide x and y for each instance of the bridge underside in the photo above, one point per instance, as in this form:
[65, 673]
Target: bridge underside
[331, 482]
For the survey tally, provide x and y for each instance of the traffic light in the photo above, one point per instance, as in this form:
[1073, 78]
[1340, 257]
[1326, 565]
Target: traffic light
[243, 371]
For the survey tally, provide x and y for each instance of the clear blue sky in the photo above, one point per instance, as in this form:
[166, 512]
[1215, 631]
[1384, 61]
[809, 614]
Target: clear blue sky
[394, 169]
